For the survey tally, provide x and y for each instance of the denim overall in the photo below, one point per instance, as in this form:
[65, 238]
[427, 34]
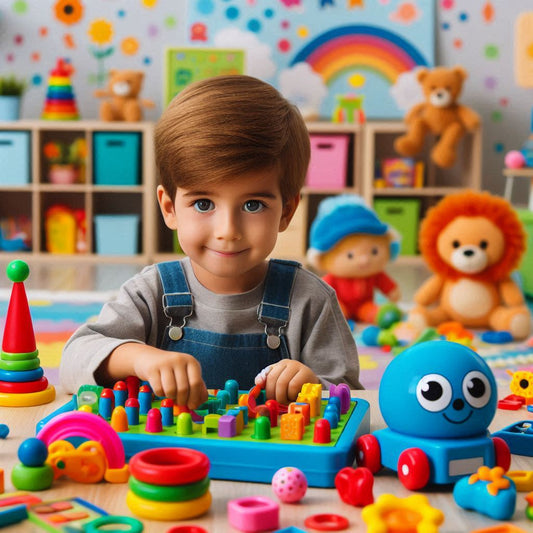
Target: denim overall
[224, 356]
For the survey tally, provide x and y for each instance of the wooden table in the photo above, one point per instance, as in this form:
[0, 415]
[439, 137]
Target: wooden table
[112, 498]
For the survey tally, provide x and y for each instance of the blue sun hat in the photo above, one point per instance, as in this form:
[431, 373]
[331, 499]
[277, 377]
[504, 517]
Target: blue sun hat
[343, 215]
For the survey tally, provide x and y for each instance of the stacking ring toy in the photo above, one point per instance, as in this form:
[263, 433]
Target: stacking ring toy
[326, 522]
[177, 493]
[21, 375]
[28, 399]
[168, 510]
[135, 526]
[24, 356]
[186, 529]
[169, 466]
[23, 388]
[17, 366]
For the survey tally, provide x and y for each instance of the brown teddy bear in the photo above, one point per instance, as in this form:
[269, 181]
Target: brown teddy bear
[124, 87]
[440, 115]
[472, 241]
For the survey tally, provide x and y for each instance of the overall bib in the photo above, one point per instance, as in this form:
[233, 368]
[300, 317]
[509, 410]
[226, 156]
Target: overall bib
[229, 356]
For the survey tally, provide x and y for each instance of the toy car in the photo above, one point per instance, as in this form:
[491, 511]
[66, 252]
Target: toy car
[438, 399]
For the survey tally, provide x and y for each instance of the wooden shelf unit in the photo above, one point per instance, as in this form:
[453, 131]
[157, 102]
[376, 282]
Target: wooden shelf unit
[35, 197]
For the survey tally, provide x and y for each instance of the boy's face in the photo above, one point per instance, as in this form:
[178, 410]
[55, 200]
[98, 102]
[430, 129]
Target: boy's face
[229, 229]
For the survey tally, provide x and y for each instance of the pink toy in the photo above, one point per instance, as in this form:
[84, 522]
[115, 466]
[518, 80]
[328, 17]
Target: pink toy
[515, 159]
[289, 484]
[254, 513]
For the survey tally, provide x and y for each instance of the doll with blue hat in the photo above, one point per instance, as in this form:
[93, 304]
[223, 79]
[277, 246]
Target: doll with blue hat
[352, 246]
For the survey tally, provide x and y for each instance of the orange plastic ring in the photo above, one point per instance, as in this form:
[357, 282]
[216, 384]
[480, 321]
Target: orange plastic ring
[327, 522]
[169, 466]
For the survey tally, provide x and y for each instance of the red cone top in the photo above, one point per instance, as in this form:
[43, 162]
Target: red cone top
[62, 68]
[18, 330]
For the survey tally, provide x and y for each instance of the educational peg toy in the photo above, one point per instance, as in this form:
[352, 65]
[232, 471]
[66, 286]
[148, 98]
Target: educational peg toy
[22, 380]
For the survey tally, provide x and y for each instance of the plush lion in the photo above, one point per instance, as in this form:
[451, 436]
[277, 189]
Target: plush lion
[472, 241]
[440, 115]
[124, 87]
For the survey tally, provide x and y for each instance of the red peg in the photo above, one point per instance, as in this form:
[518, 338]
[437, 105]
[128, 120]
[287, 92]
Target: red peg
[322, 433]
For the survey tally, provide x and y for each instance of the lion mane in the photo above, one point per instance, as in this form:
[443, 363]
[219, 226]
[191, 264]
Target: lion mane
[473, 204]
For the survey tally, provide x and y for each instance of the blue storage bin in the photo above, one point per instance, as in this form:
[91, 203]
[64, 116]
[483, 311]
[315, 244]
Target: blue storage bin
[117, 158]
[116, 234]
[14, 157]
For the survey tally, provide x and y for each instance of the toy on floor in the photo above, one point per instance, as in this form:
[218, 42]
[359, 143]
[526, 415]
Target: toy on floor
[355, 485]
[518, 436]
[60, 103]
[124, 103]
[350, 243]
[314, 435]
[289, 484]
[253, 513]
[488, 492]
[169, 484]
[522, 385]
[529, 507]
[472, 242]
[438, 399]
[32, 473]
[440, 114]
[22, 381]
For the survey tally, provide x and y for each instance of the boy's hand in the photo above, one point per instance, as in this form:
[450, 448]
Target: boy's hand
[284, 380]
[173, 375]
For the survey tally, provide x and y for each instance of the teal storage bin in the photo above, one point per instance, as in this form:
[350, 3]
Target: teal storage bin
[526, 266]
[117, 158]
[15, 157]
[117, 234]
[403, 215]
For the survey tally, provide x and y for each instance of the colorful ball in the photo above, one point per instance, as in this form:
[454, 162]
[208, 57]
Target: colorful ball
[33, 452]
[515, 159]
[289, 484]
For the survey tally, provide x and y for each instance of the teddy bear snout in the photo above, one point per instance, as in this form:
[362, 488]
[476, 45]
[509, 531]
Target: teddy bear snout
[121, 88]
[469, 259]
[440, 98]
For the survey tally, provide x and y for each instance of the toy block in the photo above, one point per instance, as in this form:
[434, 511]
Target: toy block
[210, 424]
[303, 409]
[227, 426]
[292, 426]
[312, 400]
[239, 416]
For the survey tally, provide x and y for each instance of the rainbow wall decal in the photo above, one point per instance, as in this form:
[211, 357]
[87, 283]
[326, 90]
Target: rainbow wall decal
[346, 48]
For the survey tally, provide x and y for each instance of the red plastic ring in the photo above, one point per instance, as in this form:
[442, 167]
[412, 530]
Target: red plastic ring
[169, 466]
[186, 529]
[327, 522]
[23, 387]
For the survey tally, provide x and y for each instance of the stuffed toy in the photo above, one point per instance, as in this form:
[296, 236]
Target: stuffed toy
[124, 87]
[353, 247]
[439, 114]
[472, 242]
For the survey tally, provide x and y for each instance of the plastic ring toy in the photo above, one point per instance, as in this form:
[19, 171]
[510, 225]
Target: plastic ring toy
[169, 466]
[17, 366]
[135, 526]
[168, 510]
[24, 356]
[176, 493]
[186, 529]
[28, 399]
[24, 388]
[23, 375]
[327, 522]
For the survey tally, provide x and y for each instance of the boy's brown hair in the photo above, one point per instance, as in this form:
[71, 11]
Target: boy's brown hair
[223, 127]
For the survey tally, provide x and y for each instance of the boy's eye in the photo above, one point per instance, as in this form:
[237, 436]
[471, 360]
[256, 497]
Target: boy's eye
[204, 205]
[253, 206]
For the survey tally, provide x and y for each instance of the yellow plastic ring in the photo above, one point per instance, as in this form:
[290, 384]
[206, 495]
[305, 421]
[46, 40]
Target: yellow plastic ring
[28, 399]
[168, 511]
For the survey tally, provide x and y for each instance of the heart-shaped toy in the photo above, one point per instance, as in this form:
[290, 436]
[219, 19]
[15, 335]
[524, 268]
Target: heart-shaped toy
[355, 485]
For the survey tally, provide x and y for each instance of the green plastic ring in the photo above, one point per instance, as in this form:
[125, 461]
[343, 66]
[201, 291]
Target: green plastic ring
[169, 493]
[28, 364]
[23, 356]
[135, 526]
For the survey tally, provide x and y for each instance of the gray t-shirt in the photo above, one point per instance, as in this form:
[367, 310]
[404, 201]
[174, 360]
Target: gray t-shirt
[317, 333]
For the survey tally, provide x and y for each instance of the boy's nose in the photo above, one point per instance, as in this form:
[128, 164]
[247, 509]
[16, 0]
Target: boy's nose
[227, 226]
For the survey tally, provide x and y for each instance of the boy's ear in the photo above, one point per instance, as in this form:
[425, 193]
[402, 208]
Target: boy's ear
[289, 208]
[166, 204]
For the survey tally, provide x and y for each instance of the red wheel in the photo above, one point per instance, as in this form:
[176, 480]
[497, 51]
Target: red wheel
[413, 469]
[368, 452]
[502, 454]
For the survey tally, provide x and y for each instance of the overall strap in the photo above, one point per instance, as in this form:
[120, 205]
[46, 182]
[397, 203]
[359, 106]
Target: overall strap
[273, 311]
[177, 297]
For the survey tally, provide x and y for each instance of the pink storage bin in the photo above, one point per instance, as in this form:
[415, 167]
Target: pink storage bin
[329, 161]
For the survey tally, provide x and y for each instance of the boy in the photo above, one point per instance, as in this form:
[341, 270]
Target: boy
[232, 156]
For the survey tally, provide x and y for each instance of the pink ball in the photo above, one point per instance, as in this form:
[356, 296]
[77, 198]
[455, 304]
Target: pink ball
[515, 159]
[289, 484]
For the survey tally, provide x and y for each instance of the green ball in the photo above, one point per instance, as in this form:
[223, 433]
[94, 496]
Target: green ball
[17, 271]
[387, 338]
[32, 477]
[388, 314]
